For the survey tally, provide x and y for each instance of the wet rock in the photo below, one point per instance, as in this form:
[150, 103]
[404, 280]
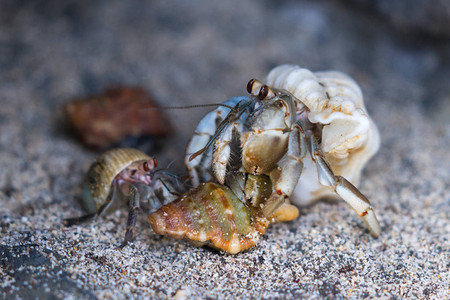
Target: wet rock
[120, 113]
[34, 276]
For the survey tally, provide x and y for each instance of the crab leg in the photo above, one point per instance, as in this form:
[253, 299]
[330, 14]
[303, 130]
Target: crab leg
[286, 176]
[198, 167]
[208, 130]
[132, 214]
[347, 191]
[222, 151]
[78, 220]
[91, 216]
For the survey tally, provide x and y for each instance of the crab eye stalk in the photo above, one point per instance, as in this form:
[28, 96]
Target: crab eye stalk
[254, 87]
[263, 92]
[150, 165]
[250, 85]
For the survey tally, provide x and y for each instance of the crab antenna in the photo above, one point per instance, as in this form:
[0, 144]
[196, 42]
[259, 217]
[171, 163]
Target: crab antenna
[190, 106]
[171, 175]
[219, 130]
[165, 185]
[270, 102]
[165, 172]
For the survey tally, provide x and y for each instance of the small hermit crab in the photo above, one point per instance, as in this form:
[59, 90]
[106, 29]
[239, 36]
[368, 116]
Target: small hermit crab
[306, 134]
[123, 175]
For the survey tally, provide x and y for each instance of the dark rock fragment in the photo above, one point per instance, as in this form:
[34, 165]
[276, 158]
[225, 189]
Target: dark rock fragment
[120, 113]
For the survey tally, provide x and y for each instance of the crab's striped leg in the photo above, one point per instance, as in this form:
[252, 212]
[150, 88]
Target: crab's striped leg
[199, 166]
[222, 152]
[347, 191]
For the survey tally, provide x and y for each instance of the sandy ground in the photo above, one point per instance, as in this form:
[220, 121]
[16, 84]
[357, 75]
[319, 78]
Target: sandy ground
[53, 51]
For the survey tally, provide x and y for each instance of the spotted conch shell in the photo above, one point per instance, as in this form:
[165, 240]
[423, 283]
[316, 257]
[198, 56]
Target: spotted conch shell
[212, 215]
[349, 136]
[228, 218]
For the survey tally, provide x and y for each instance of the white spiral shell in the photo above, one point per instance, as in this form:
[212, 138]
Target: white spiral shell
[349, 136]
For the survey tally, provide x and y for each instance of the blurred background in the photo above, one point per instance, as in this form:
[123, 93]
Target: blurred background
[199, 52]
[205, 52]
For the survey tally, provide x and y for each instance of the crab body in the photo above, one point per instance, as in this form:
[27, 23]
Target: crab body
[269, 128]
[122, 175]
[112, 170]
[284, 133]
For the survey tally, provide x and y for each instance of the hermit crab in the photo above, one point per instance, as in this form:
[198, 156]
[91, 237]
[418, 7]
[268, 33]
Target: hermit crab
[124, 175]
[307, 132]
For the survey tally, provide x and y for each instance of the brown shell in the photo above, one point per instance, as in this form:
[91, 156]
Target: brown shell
[98, 180]
[211, 215]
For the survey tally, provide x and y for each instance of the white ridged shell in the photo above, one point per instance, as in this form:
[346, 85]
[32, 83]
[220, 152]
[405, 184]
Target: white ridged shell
[349, 137]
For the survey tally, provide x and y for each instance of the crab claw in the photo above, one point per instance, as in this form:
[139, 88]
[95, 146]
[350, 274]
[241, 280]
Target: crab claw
[286, 176]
